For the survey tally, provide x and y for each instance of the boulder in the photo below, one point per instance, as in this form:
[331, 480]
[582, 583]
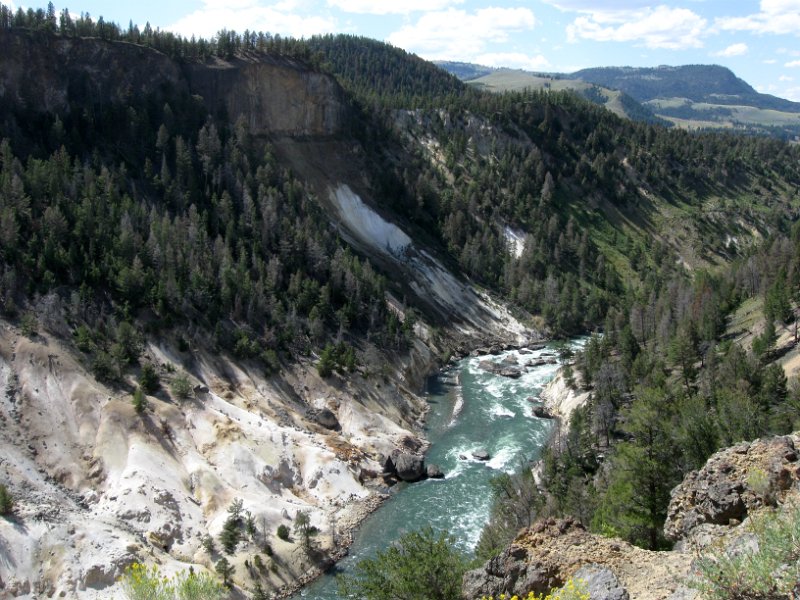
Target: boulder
[434, 472]
[325, 418]
[601, 583]
[510, 372]
[510, 361]
[489, 366]
[542, 413]
[409, 467]
[481, 454]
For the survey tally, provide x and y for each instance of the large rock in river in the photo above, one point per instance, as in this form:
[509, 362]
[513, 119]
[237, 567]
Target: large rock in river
[434, 472]
[481, 454]
[409, 467]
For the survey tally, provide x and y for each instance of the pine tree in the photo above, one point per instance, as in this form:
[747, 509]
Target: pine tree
[225, 570]
[6, 501]
[139, 401]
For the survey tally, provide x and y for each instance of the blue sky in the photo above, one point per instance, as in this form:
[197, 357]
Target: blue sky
[758, 40]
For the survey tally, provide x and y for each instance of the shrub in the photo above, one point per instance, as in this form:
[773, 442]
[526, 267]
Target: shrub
[181, 387]
[104, 368]
[148, 380]
[139, 401]
[422, 564]
[29, 325]
[572, 590]
[192, 586]
[6, 501]
[770, 571]
[142, 583]
[283, 532]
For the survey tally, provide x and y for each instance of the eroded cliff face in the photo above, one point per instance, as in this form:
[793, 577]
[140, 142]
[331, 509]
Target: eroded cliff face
[98, 486]
[273, 96]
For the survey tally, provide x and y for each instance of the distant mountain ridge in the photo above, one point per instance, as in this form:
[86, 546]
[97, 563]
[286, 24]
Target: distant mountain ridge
[688, 96]
[700, 83]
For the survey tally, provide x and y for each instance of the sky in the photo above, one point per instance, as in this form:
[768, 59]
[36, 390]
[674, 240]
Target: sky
[758, 40]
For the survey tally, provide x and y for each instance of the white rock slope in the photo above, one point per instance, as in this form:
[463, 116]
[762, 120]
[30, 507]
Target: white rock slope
[99, 486]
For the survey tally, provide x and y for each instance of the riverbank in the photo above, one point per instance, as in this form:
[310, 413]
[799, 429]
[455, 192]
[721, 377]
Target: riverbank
[346, 528]
[470, 408]
[561, 400]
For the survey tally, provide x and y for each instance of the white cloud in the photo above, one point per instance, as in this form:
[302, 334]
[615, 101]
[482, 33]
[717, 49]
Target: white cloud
[785, 78]
[776, 16]
[385, 7]
[457, 34]
[513, 60]
[733, 50]
[790, 93]
[239, 15]
[660, 27]
[592, 6]
[769, 61]
[793, 63]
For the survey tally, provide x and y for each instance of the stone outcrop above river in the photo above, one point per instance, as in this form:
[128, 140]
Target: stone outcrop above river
[406, 466]
[560, 399]
[552, 551]
[711, 507]
[733, 483]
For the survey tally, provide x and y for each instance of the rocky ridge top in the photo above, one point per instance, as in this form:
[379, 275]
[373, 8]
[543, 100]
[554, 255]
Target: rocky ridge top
[708, 507]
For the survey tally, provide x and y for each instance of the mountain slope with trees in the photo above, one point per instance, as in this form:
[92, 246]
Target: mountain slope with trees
[188, 255]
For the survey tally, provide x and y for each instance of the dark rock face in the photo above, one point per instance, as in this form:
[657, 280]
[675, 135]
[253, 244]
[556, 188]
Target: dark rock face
[409, 467]
[511, 572]
[541, 412]
[601, 583]
[503, 369]
[510, 372]
[274, 95]
[731, 484]
[326, 418]
[434, 472]
[404, 466]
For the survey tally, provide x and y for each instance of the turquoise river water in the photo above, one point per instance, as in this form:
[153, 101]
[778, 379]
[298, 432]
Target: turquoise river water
[470, 409]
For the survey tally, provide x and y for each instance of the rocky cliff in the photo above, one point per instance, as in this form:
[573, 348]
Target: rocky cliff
[710, 508]
[275, 96]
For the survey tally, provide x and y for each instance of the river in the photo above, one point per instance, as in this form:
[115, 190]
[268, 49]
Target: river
[470, 409]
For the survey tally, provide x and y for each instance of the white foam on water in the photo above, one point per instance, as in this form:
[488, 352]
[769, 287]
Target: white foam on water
[504, 458]
[494, 387]
[498, 410]
[457, 407]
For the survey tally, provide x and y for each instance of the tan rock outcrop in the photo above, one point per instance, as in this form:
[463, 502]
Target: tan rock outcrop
[734, 482]
[546, 555]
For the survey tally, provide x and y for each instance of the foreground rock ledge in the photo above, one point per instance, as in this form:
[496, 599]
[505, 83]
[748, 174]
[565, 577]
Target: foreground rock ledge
[549, 553]
[730, 486]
